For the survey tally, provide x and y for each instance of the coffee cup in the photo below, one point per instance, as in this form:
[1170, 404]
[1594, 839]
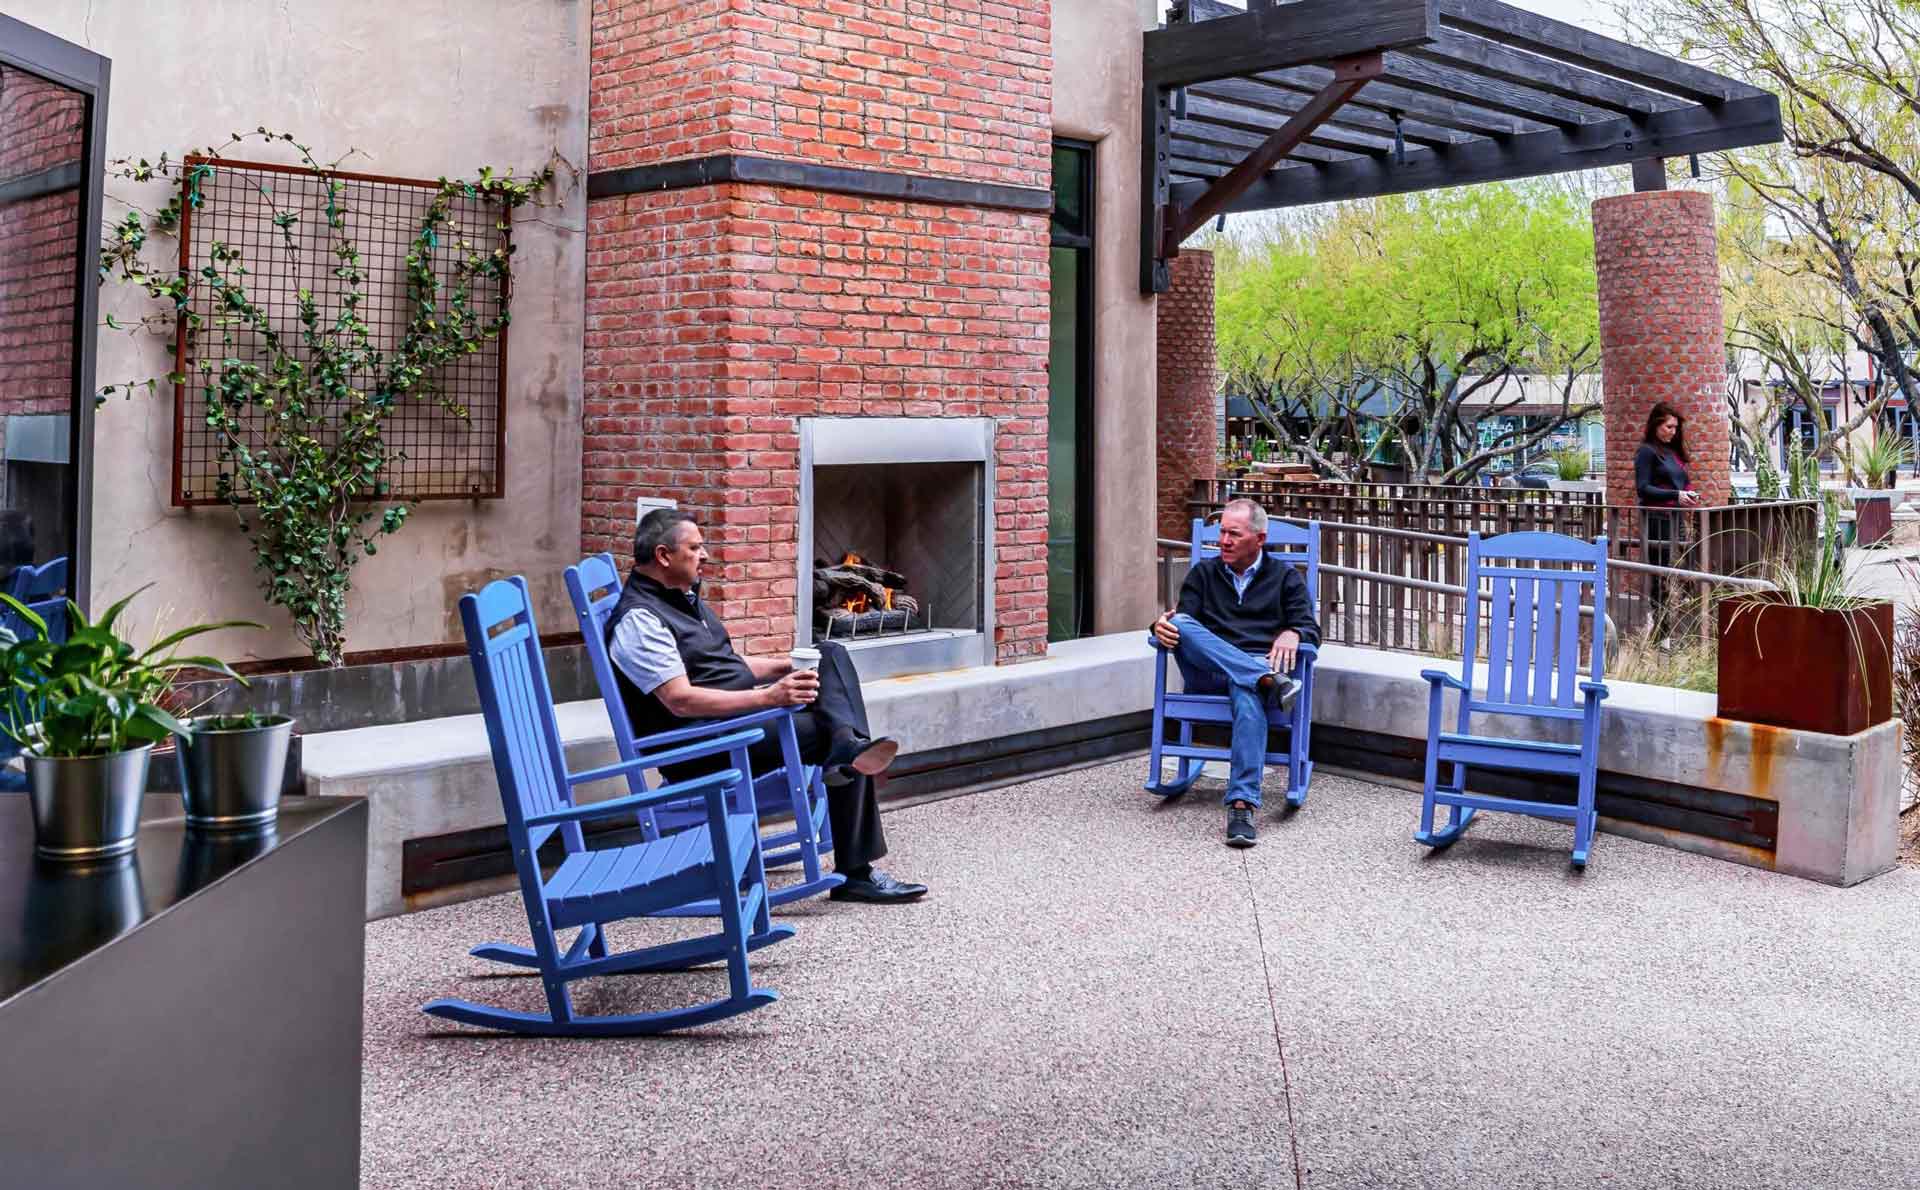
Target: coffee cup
[804, 658]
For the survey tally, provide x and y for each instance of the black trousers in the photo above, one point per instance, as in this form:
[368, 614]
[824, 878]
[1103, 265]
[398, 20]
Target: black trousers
[853, 809]
[1660, 540]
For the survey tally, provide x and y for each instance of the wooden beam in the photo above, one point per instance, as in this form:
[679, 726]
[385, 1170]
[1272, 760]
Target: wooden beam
[1453, 83]
[1650, 173]
[1383, 97]
[1196, 141]
[1233, 123]
[1534, 33]
[1284, 35]
[1156, 133]
[1491, 60]
[1349, 75]
[1752, 120]
[1259, 98]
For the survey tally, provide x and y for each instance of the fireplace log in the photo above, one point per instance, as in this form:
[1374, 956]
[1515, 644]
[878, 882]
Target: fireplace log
[874, 574]
[841, 623]
[840, 585]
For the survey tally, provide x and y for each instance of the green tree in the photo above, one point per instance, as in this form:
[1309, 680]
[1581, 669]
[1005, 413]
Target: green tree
[1826, 254]
[1415, 313]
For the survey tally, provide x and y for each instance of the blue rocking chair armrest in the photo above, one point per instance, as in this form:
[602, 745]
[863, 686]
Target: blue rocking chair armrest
[713, 747]
[1442, 678]
[1595, 690]
[626, 805]
[701, 730]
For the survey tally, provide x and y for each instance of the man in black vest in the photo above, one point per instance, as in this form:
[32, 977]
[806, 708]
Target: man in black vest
[1237, 631]
[675, 665]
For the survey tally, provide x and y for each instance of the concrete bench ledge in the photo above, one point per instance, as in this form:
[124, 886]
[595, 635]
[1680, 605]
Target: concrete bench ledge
[1829, 802]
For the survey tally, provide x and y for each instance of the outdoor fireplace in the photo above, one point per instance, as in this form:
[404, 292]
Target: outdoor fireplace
[896, 541]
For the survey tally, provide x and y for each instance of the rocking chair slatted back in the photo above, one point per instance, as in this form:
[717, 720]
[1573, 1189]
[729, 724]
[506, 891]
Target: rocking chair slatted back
[1533, 652]
[594, 586]
[1296, 544]
[528, 760]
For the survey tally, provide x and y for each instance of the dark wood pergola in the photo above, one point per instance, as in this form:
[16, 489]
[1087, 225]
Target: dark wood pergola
[1288, 104]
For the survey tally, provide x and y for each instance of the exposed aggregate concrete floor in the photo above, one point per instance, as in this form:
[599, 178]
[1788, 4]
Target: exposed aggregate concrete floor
[1098, 993]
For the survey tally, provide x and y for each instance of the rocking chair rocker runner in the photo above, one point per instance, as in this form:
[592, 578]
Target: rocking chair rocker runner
[1292, 545]
[594, 587]
[1532, 658]
[718, 860]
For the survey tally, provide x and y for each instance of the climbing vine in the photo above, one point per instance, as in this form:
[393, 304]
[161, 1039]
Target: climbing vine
[298, 408]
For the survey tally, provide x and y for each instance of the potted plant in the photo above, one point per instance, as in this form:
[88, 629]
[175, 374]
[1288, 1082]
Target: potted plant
[232, 768]
[86, 713]
[1836, 644]
[1878, 463]
[1570, 466]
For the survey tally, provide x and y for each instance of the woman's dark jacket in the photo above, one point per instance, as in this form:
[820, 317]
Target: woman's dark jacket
[1659, 476]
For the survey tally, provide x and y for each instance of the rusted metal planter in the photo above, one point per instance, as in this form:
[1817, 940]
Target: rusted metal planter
[1806, 669]
[1872, 517]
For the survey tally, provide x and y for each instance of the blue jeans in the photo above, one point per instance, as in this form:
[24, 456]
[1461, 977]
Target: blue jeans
[1209, 665]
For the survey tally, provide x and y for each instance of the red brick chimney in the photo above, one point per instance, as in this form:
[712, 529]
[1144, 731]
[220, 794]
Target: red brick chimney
[801, 210]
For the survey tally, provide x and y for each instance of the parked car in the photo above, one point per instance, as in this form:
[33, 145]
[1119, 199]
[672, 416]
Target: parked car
[1532, 475]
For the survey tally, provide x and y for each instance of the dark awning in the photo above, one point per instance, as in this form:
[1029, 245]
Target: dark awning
[1318, 100]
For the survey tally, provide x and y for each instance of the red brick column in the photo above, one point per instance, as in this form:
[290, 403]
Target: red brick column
[1662, 334]
[720, 314]
[1186, 376]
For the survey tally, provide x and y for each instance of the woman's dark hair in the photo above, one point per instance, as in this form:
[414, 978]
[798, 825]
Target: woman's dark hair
[1660, 413]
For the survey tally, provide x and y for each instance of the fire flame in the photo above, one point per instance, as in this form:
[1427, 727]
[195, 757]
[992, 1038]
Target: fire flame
[859, 602]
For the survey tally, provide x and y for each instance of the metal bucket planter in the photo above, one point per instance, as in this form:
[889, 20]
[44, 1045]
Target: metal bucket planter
[231, 777]
[86, 808]
[1806, 668]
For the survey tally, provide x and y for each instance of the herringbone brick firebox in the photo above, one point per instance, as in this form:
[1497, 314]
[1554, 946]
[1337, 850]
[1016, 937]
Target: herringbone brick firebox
[806, 211]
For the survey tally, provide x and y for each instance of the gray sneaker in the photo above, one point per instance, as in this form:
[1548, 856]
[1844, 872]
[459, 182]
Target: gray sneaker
[1240, 831]
[1279, 690]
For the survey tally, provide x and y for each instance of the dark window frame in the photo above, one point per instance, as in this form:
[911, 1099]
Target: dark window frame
[35, 51]
[1085, 396]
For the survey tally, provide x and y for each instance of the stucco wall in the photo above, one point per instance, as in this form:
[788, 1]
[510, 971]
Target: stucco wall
[422, 89]
[1096, 97]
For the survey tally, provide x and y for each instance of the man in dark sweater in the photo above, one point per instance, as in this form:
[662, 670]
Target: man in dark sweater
[1237, 631]
[675, 665]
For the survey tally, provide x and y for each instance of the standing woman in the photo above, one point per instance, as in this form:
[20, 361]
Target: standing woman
[1660, 478]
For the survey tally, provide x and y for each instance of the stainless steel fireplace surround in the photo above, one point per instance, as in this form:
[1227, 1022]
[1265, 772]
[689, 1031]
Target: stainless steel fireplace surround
[920, 489]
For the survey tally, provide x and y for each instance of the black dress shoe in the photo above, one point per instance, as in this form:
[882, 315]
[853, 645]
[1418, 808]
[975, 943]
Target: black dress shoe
[878, 889]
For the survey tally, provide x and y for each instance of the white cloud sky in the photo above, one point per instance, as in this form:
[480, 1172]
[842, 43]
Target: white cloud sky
[1596, 15]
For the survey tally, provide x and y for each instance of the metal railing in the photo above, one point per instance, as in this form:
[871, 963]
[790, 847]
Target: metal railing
[1677, 561]
[1393, 610]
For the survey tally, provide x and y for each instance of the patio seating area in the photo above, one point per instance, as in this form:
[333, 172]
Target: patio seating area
[1099, 994]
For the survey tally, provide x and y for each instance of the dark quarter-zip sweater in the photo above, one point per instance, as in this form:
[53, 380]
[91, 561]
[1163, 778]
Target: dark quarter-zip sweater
[1276, 600]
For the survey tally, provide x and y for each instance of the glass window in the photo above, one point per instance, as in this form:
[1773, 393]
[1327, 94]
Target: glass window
[43, 159]
[1070, 397]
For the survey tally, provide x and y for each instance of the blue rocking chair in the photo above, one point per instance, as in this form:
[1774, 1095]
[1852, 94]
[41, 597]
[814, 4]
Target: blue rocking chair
[30, 584]
[718, 860]
[1532, 661]
[796, 788]
[1295, 546]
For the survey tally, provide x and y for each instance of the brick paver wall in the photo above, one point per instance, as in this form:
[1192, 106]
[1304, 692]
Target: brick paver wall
[957, 89]
[41, 127]
[1662, 334]
[1187, 379]
[718, 315]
